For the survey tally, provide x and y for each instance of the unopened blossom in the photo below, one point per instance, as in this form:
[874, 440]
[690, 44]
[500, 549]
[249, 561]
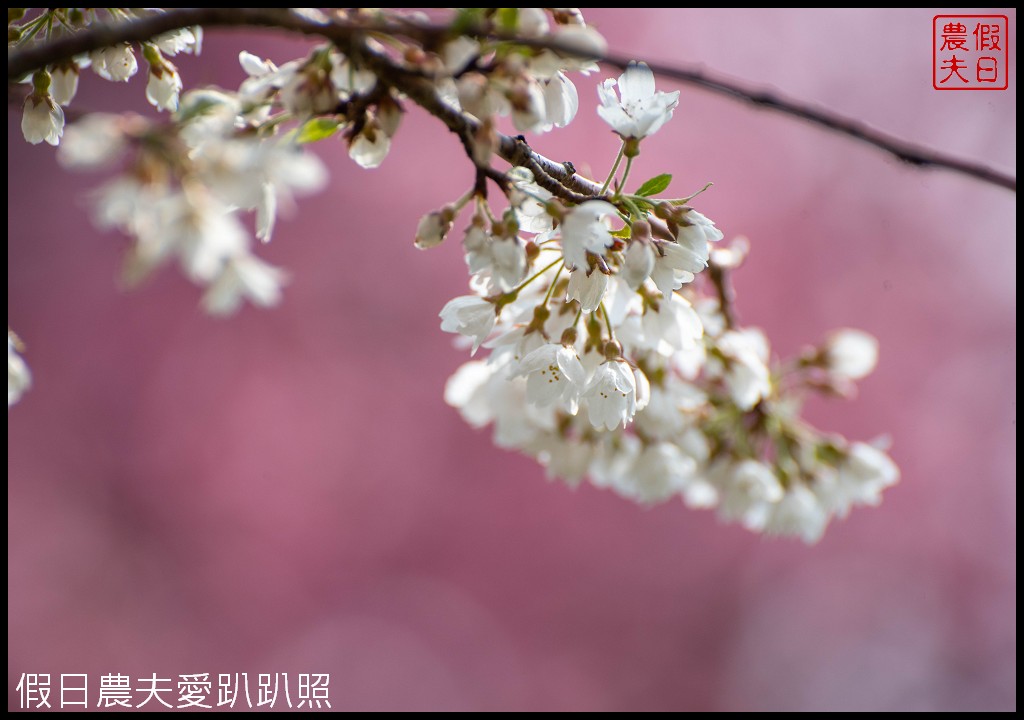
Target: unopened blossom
[42, 119]
[850, 354]
[371, 145]
[64, 83]
[553, 374]
[584, 230]
[639, 110]
[164, 86]
[469, 315]
[434, 227]
[588, 289]
[19, 378]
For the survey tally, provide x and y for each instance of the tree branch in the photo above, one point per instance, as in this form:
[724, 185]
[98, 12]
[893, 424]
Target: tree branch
[343, 32]
[723, 291]
[916, 155]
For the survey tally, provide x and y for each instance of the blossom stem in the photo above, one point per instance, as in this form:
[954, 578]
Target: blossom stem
[551, 288]
[462, 201]
[607, 321]
[615, 168]
[720, 282]
[485, 206]
[625, 173]
[536, 275]
[33, 29]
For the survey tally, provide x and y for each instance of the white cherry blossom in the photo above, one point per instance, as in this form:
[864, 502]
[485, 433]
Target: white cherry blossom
[584, 230]
[116, 63]
[611, 395]
[42, 119]
[244, 277]
[553, 374]
[588, 289]
[851, 354]
[19, 378]
[469, 315]
[163, 87]
[64, 84]
[639, 110]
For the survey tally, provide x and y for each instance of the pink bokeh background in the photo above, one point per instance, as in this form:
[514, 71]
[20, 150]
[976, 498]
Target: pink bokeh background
[286, 491]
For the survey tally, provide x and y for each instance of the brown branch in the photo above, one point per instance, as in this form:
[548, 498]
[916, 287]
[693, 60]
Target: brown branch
[342, 32]
[719, 277]
[552, 176]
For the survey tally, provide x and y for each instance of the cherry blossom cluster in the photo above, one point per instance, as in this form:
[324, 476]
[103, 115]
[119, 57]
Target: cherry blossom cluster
[55, 87]
[608, 362]
[612, 349]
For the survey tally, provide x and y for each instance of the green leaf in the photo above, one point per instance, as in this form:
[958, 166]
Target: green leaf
[467, 19]
[508, 18]
[657, 184]
[317, 129]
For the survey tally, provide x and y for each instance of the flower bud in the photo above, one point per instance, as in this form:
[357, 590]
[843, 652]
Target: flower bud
[434, 227]
[850, 354]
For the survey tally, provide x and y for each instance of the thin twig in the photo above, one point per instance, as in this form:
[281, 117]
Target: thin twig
[719, 277]
[915, 155]
[21, 62]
